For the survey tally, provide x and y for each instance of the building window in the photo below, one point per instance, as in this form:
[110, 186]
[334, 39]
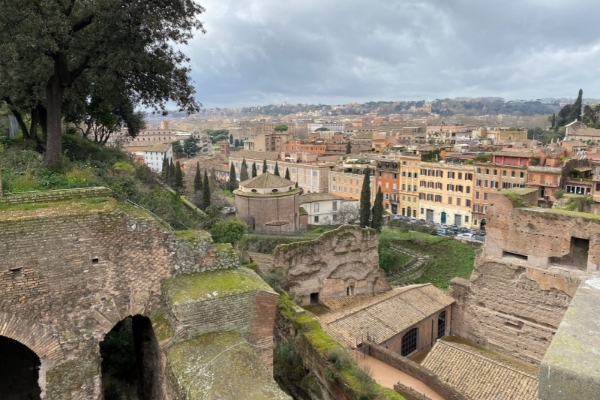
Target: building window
[477, 195]
[476, 208]
[485, 196]
[504, 173]
[438, 185]
[466, 218]
[334, 206]
[468, 203]
[316, 219]
[487, 171]
[521, 174]
[468, 177]
[438, 198]
[441, 325]
[422, 211]
[495, 172]
[512, 174]
[449, 200]
[409, 341]
[333, 188]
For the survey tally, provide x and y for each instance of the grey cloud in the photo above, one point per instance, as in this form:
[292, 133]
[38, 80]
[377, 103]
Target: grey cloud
[337, 51]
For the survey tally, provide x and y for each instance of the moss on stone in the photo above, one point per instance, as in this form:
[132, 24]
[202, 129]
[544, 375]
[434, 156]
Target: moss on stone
[212, 284]
[193, 236]
[225, 248]
[515, 198]
[162, 327]
[56, 209]
[221, 366]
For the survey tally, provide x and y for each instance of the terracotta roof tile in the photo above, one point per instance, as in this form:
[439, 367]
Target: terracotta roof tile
[478, 376]
[266, 180]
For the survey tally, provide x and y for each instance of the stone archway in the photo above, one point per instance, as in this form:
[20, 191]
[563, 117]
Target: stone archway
[19, 371]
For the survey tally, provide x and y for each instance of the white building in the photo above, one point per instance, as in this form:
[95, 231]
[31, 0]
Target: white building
[154, 156]
[332, 126]
[329, 209]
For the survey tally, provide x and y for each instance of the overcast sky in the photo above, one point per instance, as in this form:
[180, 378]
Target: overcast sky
[258, 52]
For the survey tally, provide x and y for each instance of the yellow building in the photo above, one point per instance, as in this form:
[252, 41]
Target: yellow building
[445, 193]
[409, 185]
[348, 183]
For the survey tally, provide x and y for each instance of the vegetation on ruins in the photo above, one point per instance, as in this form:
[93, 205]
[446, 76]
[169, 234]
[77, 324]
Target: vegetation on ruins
[81, 52]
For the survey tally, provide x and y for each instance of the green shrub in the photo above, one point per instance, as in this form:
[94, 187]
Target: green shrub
[558, 194]
[228, 231]
[122, 166]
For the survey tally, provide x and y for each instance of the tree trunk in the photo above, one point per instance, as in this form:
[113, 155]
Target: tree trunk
[54, 95]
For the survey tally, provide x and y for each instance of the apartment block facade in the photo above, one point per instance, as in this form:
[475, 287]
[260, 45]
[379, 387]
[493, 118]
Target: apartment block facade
[409, 185]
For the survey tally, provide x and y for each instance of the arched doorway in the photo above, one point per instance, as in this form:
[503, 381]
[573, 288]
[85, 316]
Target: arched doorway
[19, 371]
[130, 361]
[409, 341]
[443, 218]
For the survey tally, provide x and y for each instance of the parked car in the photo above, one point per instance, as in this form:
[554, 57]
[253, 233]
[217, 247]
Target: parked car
[454, 228]
[465, 235]
[463, 230]
[473, 231]
[441, 232]
[444, 226]
[397, 217]
[421, 221]
[405, 218]
[482, 233]
[412, 220]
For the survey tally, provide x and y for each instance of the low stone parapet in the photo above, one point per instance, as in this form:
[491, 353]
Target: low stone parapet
[55, 195]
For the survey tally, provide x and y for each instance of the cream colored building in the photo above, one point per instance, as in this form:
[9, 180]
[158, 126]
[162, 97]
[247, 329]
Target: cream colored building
[445, 193]
[408, 187]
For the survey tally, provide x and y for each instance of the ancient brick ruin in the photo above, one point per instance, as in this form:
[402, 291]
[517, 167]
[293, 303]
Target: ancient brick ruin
[71, 270]
[343, 262]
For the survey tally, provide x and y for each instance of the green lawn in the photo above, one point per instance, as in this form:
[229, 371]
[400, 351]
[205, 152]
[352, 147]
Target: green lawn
[450, 258]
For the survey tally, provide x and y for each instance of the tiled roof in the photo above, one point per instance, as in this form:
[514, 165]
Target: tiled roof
[586, 132]
[158, 147]
[255, 155]
[551, 170]
[478, 376]
[266, 180]
[312, 197]
[385, 315]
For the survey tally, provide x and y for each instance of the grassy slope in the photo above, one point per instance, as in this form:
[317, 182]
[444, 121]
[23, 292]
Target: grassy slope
[450, 258]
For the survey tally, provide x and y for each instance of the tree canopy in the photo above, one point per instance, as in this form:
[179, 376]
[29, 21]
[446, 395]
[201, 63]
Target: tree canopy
[280, 128]
[48, 47]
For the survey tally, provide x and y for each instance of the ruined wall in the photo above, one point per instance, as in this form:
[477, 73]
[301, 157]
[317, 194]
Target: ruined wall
[340, 262]
[258, 211]
[542, 236]
[69, 273]
[511, 309]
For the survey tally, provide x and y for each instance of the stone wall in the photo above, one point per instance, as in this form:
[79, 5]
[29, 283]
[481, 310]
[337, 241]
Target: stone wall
[540, 236]
[511, 309]
[70, 272]
[415, 370]
[340, 262]
[55, 195]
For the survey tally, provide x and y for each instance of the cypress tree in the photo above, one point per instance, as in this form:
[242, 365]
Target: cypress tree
[377, 221]
[244, 171]
[178, 177]
[254, 170]
[197, 179]
[264, 166]
[575, 113]
[365, 200]
[165, 168]
[348, 148]
[171, 173]
[205, 192]
[232, 184]
[287, 174]
[276, 172]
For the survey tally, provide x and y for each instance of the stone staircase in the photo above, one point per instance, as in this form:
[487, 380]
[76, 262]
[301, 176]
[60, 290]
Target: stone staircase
[412, 270]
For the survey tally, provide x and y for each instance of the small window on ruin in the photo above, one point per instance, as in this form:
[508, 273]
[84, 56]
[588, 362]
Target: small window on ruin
[508, 254]
[314, 298]
[274, 190]
[95, 260]
[16, 272]
[253, 190]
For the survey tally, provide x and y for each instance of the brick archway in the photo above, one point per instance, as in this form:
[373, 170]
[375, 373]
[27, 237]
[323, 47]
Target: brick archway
[32, 335]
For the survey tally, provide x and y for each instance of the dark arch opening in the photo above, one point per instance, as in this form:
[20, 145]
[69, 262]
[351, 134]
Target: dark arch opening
[19, 371]
[441, 324]
[130, 361]
[409, 341]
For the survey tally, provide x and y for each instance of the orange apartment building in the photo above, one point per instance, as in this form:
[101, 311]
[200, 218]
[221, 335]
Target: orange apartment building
[491, 177]
[387, 176]
[409, 184]
[546, 180]
[301, 146]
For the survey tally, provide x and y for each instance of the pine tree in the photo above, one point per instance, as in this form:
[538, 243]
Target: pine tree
[365, 199]
[244, 171]
[287, 174]
[264, 166]
[276, 172]
[377, 221]
[553, 121]
[197, 179]
[348, 148]
[232, 184]
[178, 177]
[205, 192]
[254, 170]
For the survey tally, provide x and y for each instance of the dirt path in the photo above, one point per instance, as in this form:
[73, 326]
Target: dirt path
[387, 376]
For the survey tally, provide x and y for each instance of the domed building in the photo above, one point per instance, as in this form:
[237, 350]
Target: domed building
[268, 203]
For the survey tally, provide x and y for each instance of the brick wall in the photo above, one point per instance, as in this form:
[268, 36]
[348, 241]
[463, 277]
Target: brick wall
[55, 195]
[257, 211]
